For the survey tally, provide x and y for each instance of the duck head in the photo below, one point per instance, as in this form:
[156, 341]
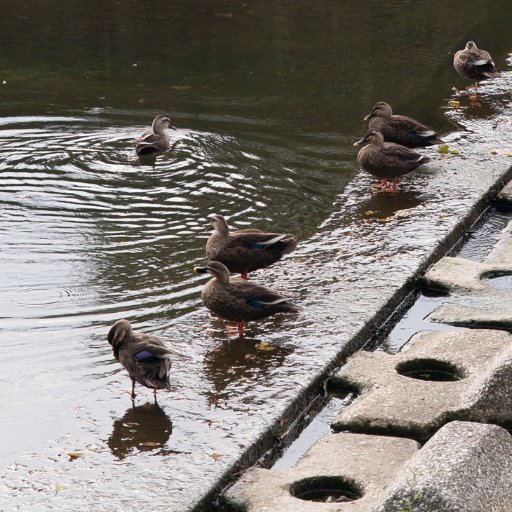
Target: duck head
[161, 122]
[470, 45]
[216, 269]
[119, 333]
[380, 109]
[219, 224]
[372, 137]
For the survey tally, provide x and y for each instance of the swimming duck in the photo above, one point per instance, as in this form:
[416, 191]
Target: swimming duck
[386, 160]
[155, 140]
[474, 64]
[143, 356]
[246, 250]
[400, 129]
[238, 300]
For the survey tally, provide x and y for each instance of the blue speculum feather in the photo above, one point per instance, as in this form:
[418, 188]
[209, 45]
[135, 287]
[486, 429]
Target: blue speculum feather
[255, 303]
[256, 246]
[144, 355]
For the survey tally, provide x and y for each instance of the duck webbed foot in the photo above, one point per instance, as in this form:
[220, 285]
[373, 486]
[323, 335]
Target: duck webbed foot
[393, 186]
[382, 184]
[244, 275]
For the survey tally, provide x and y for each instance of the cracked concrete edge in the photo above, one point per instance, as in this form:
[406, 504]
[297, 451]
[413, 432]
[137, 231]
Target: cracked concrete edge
[465, 467]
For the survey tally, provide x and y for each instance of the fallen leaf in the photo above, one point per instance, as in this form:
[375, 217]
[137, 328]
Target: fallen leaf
[216, 456]
[75, 455]
[263, 345]
[454, 103]
[150, 444]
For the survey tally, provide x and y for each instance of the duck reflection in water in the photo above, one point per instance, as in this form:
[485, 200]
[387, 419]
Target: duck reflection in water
[142, 429]
[236, 365]
[381, 208]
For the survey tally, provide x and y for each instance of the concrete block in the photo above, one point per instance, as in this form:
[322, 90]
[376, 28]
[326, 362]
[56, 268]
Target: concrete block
[365, 465]
[399, 397]
[474, 298]
[465, 467]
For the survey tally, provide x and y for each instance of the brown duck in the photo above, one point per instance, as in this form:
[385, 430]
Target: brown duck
[474, 64]
[386, 160]
[238, 300]
[155, 140]
[246, 250]
[400, 129]
[143, 356]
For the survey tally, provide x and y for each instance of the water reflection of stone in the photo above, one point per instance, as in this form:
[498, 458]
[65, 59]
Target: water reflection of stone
[381, 205]
[142, 428]
[240, 362]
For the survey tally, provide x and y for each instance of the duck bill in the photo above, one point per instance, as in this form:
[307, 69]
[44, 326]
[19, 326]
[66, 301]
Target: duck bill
[200, 270]
[359, 142]
[368, 117]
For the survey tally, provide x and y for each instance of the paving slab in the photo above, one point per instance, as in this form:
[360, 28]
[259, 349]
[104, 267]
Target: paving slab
[465, 467]
[475, 297]
[368, 463]
[395, 400]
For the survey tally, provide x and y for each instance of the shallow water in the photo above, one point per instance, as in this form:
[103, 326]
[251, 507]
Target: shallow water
[267, 101]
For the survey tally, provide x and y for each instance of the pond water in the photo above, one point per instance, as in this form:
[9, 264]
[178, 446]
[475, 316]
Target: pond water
[268, 99]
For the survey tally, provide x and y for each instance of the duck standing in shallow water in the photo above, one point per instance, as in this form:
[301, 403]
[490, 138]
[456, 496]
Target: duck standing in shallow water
[143, 356]
[400, 129]
[474, 64]
[386, 160]
[246, 250]
[238, 300]
[155, 140]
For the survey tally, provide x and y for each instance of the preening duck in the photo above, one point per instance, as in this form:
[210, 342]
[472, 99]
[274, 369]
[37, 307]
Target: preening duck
[155, 140]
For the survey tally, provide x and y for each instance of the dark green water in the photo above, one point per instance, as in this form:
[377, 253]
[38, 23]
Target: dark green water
[268, 98]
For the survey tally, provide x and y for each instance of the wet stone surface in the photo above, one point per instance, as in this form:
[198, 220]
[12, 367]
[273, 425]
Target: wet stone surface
[480, 293]
[439, 377]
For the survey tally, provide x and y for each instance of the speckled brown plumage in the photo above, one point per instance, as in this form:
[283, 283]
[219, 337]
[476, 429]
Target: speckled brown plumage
[239, 300]
[387, 160]
[400, 129]
[246, 250]
[474, 64]
[143, 356]
[155, 140]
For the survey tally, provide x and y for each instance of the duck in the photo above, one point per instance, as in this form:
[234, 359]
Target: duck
[474, 64]
[155, 140]
[400, 129]
[386, 160]
[238, 300]
[246, 250]
[145, 357]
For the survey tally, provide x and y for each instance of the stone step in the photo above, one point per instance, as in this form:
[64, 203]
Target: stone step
[439, 377]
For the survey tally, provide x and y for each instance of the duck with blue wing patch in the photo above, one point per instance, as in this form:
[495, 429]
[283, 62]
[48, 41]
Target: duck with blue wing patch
[146, 359]
[474, 64]
[246, 250]
[400, 129]
[238, 300]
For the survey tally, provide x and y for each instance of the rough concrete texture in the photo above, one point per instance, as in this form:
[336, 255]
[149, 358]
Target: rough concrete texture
[372, 462]
[396, 404]
[474, 301]
[504, 197]
[465, 467]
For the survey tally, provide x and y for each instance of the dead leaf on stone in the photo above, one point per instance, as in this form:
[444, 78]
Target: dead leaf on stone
[76, 455]
[454, 103]
[385, 219]
[216, 456]
[501, 152]
[151, 444]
